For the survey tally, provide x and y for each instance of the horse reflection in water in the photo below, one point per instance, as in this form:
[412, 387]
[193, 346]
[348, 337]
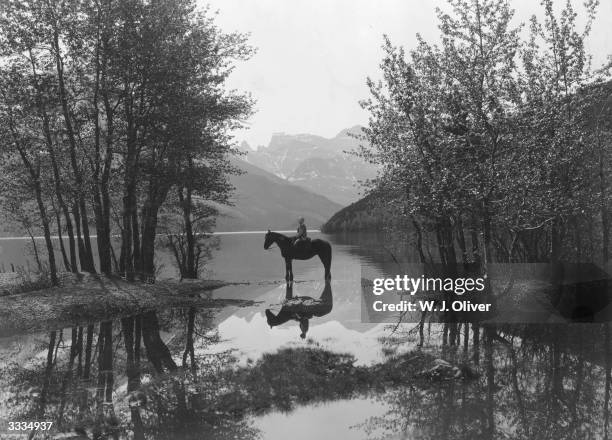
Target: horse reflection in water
[301, 308]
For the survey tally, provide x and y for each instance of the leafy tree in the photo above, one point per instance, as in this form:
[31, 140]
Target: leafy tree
[20, 144]
[124, 99]
[494, 136]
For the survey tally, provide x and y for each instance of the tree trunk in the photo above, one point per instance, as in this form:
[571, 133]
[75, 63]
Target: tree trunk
[486, 235]
[35, 249]
[47, 378]
[475, 246]
[190, 269]
[67, 264]
[189, 350]
[132, 372]
[148, 244]
[127, 238]
[88, 346]
[104, 244]
[490, 374]
[137, 250]
[129, 214]
[419, 240]
[67, 376]
[35, 177]
[105, 362]
[80, 352]
[476, 342]
[56, 174]
[158, 353]
[47, 233]
[156, 195]
[78, 177]
[64, 208]
[81, 244]
[86, 235]
[461, 242]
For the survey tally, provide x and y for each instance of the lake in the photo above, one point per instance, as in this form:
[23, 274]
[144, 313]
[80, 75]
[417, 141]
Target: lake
[247, 372]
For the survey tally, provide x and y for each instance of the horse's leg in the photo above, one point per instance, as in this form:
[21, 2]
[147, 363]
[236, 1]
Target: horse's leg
[287, 269]
[290, 270]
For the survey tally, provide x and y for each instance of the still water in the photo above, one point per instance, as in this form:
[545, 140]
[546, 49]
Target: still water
[247, 372]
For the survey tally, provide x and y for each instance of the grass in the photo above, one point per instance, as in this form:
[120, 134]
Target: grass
[93, 298]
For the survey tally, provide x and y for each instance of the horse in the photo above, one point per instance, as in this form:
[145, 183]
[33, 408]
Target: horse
[290, 252]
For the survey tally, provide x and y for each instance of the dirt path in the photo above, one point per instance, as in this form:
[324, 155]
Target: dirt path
[96, 298]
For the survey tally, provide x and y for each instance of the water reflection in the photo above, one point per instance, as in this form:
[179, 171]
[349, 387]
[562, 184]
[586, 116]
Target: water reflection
[301, 308]
[151, 376]
[538, 382]
[117, 380]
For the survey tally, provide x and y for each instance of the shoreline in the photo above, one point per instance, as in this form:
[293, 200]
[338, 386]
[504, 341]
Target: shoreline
[95, 298]
[56, 237]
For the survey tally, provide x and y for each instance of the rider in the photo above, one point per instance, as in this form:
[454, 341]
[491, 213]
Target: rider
[304, 324]
[301, 232]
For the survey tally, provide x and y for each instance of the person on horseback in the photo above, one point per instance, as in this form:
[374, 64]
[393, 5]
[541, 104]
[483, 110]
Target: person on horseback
[302, 235]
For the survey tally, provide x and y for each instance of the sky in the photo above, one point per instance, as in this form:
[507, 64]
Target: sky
[313, 56]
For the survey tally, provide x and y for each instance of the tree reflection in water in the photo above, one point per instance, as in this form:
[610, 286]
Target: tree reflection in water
[147, 377]
[537, 382]
[125, 384]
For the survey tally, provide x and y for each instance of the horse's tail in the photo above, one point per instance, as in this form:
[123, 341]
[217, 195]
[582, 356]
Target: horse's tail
[329, 251]
[326, 258]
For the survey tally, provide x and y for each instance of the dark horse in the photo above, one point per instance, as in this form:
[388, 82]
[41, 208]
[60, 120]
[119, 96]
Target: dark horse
[303, 251]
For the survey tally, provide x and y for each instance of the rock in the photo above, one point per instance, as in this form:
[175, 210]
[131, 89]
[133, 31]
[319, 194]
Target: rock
[443, 370]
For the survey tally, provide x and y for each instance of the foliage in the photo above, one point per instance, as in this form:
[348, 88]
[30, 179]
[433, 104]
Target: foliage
[189, 235]
[105, 108]
[486, 140]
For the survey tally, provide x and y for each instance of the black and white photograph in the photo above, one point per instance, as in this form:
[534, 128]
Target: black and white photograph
[306, 219]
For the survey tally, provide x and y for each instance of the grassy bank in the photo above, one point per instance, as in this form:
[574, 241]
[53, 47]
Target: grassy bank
[94, 298]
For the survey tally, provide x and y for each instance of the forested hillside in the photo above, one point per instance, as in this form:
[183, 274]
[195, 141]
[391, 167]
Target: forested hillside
[364, 215]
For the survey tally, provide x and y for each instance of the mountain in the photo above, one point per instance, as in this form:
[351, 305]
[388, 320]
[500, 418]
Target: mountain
[318, 164]
[263, 200]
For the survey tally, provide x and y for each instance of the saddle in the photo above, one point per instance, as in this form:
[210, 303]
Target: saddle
[302, 244]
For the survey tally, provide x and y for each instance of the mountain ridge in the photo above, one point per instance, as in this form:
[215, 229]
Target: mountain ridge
[263, 200]
[318, 164]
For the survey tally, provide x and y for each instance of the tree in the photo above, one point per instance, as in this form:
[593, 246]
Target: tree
[20, 143]
[124, 99]
[556, 155]
[469, 138]
[188, 114]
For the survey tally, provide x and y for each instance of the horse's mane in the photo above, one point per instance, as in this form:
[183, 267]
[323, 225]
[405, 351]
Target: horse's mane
[279, 235]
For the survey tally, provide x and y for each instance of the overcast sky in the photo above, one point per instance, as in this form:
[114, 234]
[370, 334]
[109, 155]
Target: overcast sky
[313, 56]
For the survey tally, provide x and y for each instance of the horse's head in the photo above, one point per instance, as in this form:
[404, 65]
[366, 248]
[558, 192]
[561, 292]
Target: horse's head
[303, 327]
[269, 240]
